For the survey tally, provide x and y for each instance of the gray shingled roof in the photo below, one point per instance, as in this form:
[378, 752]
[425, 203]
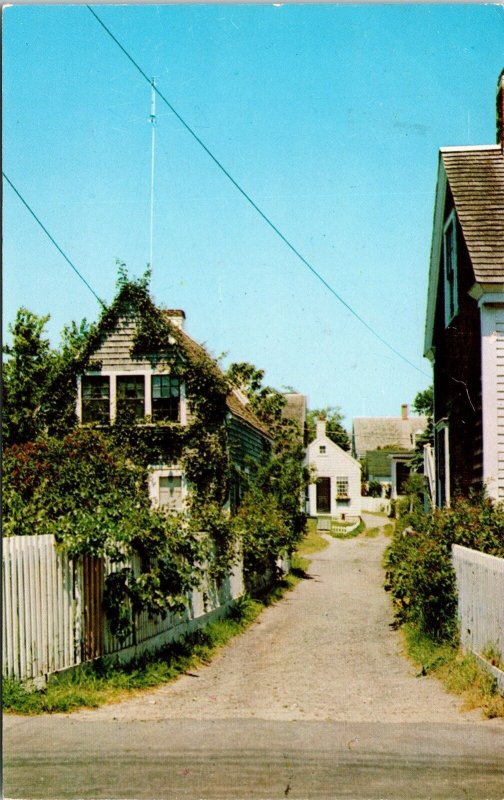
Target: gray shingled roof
[371, 433]
[379, 463]
[295, 408]
[476, 179]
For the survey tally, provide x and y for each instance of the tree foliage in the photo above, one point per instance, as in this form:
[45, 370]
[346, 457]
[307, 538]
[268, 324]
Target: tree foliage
[419, 571]
[334, 429]
[423, 404]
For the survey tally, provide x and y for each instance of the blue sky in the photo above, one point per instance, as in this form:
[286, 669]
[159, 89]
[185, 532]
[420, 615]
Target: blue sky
[329, 116]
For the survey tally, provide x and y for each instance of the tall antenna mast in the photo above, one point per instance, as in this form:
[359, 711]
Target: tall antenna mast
[152, 120]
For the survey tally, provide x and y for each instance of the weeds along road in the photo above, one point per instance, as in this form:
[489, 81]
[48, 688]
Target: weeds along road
[314, 700]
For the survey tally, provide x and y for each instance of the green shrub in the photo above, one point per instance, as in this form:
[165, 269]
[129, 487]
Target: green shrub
[418, 562]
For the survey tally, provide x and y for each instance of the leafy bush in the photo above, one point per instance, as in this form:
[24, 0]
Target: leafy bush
[418, 563]
[374, 489]
[262, 528]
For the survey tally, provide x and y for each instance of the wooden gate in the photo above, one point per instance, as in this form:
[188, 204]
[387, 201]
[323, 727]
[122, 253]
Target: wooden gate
[94, 618]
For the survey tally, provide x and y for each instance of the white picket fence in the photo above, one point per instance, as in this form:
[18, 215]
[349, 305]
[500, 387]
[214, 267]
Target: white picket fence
[480, 588]
[46, 616]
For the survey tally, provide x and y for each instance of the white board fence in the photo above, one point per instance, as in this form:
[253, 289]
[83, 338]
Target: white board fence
[480, 588]
[49, 616]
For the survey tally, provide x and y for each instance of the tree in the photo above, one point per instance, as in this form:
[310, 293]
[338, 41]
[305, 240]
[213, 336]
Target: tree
[26, 375]
[282, 475]
[334, 429]
[39, 383]
[424, 406]
[424, 402]
[246, 377]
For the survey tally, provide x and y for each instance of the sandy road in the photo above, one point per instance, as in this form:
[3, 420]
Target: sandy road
[325, 652]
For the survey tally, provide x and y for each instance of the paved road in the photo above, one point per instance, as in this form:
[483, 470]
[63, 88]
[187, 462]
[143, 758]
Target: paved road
[314, 701]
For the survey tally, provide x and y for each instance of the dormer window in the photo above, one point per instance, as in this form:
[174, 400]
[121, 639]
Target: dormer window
[165, 398]
[450, 268]
[95, 393]
[131, 396]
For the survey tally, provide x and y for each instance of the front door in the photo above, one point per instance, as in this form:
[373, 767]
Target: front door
[323, 496]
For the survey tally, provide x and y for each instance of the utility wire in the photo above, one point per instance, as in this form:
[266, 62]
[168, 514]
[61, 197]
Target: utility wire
[55, 243]
[252, 203]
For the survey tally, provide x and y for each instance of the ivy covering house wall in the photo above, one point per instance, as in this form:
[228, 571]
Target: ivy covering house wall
[88, 485]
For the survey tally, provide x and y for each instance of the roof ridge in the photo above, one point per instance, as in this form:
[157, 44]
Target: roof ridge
[462, 148]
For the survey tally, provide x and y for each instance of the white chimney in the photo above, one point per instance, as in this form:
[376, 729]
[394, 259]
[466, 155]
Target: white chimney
[404, 411]
[321, 426]
[176, 316]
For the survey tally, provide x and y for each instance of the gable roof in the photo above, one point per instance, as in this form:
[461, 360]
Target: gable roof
[371, 433]
[295, 408]
[234, 400]
[122, 318]
[475, 177]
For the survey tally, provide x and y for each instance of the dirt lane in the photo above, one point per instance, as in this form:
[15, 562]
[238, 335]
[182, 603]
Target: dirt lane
[326, 652]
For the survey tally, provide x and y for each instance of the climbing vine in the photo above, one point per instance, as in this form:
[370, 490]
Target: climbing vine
[88, 485]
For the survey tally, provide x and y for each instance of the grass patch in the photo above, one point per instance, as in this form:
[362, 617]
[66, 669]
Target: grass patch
[460, 673]
[313, 542]
[387, 530]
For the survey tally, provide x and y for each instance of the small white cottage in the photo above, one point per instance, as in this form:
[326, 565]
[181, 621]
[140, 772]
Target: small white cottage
[337, 491]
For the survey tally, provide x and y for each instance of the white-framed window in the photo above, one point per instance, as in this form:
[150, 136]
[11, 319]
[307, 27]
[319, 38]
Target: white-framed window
[130, 396]
[167, 487]
[342, 488]
[165, 398]
[442, 456]
[322, 449]
[95, 398]
[450, 268]
[170, 492]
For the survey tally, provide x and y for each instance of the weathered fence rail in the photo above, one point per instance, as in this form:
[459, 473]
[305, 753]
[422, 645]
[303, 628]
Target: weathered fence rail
[52, 615]
[480, 588]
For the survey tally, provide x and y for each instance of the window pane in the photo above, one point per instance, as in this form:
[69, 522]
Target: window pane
[165, 398]
[130, 395]
[170, 491]
[95, 405]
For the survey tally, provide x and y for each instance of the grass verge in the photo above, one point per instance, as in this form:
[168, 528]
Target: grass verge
[386, 530]
[107, 681]
[459, 672]
[313, 542]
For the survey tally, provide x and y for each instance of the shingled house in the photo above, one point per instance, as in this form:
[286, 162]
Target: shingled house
[465, 318]
[387, 444]
[151, 388]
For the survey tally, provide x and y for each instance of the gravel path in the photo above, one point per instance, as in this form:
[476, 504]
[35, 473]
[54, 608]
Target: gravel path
[325, 652]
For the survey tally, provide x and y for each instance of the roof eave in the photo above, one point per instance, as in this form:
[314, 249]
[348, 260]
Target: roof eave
[435, 258]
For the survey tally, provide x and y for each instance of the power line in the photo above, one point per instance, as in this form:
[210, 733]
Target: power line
[55, 243]
[253, 204]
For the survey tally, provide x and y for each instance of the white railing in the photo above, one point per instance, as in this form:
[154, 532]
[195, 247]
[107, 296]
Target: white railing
[46, 610]
[480, 588]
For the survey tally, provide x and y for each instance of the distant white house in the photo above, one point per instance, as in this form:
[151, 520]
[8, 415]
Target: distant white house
[337, 491]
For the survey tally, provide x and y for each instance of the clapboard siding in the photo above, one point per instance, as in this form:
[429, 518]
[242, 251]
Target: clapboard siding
[244, 442]
[114, 352]
[334, 463]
